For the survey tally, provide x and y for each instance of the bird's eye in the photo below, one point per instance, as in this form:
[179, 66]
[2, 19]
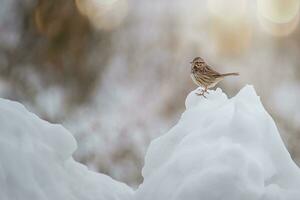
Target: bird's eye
[199, 63]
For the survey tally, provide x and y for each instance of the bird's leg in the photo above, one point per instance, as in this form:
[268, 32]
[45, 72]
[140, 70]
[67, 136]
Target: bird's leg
[202, 93]
[206, 91]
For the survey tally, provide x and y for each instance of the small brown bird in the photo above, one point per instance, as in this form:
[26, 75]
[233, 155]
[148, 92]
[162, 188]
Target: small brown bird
[203, 75]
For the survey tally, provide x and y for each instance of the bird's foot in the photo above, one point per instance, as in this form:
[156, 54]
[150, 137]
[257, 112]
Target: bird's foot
[202, 94]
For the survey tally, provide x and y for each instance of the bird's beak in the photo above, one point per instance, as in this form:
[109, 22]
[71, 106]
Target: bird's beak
[191, 62]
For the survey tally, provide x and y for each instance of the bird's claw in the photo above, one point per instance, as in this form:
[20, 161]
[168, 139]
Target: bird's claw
[202, 93]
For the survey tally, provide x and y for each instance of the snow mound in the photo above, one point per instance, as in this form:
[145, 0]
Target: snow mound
[36, 162]
[221, 148]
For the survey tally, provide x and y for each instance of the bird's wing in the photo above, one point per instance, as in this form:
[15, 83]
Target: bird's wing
[210, 72]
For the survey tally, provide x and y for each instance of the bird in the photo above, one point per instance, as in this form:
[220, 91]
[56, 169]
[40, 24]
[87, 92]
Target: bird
[204, 76]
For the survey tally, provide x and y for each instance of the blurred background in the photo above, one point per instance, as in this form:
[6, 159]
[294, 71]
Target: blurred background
[116, 72]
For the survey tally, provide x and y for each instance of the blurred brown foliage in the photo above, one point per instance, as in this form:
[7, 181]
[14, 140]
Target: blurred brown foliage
[56, 40]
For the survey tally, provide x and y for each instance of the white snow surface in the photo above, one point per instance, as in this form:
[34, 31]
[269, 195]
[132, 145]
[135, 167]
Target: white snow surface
[36, 162]
[221, 149]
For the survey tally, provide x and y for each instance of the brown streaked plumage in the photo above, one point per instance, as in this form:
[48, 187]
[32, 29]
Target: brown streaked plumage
[203, 75]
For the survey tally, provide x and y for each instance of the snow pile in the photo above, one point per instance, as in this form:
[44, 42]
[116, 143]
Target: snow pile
[221, 148]
[36, 162]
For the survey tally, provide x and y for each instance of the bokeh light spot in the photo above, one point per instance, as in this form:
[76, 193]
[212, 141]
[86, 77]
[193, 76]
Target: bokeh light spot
[279, 29]
[227, 9]
[103, 14]
[278, 11]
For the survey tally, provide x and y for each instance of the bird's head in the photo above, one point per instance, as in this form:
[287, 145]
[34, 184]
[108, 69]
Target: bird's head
[198, 62]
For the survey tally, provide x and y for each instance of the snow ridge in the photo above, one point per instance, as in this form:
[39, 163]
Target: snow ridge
[36, 162]
[221, 148]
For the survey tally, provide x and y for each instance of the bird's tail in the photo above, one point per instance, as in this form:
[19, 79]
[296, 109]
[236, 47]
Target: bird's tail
[230, 74]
